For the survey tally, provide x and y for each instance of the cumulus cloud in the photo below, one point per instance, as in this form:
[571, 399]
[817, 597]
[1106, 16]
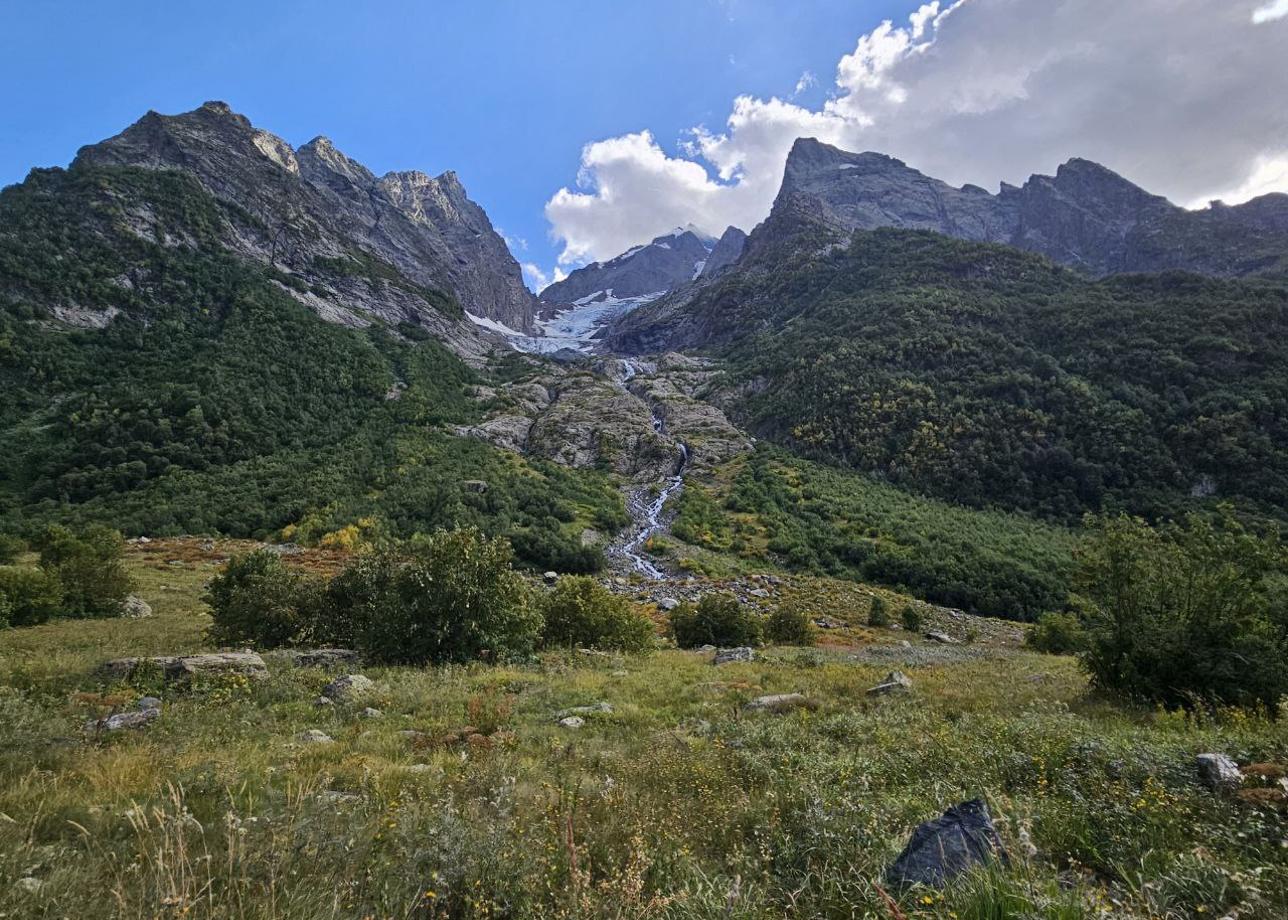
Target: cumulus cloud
[1174, 94]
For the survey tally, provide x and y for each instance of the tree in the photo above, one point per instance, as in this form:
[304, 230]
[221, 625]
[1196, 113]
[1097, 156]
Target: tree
[580, 611]
[718, 619]
[878, 614]
[257, 601]
[789, 626]
[28, 597]
[90, 566]
[1183, 614]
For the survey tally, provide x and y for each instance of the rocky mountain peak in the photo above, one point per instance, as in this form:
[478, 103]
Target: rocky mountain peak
[663, 264]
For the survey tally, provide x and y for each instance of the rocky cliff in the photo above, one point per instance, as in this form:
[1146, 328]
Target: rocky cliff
[664, 264]
[314, 208]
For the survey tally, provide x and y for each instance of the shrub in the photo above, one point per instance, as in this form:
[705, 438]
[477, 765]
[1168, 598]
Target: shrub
[1183, 614]
[1057, 634]
[257, 601]
[11, 548]
[911, 618]
[878, 614]
[454, 599]
[787, 626]
[28, 597]
[718, 619]
[580, 611]
[90, 567]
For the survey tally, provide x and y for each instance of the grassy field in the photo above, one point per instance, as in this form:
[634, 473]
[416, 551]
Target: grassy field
[678, 803]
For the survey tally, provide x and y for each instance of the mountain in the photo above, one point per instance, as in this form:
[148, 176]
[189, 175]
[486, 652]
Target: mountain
[1085, 216]
[727, 250]
[315, 213]
[666, 263]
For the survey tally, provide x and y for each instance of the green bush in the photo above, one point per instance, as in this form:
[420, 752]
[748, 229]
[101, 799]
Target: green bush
[90, 566]
[11, 548]
[878, 614]
[1057, 634]
[28, 596]
[911, 618]
[1184, 615]
[788, 626]
[257, 601]
[580, 611]
[718, 619]
[454, 599]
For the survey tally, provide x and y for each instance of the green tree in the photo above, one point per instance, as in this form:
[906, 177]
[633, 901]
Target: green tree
[90, 566]
[789, 626]
[28, 597]
[878, 614]
[580, 611]
[910, 617]
[258, 601]
[718, 619]
[1182, 614]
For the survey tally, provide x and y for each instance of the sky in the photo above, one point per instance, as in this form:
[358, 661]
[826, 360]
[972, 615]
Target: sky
[586, 126]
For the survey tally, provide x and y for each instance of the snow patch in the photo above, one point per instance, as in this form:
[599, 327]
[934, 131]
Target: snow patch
[493, 325]
[697, 268]
[576, 327]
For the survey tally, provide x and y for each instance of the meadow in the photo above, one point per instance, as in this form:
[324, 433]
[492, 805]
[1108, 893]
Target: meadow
[464, 797]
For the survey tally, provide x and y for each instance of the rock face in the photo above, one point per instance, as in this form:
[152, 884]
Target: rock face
[326, 219]
[662, 265]
[1085, 216]
[726, 252]
[942, 849]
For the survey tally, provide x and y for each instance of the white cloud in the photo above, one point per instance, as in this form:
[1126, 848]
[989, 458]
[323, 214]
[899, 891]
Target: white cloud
[807, 81]
[1174, 94]
[538, 280]
[1276, 9]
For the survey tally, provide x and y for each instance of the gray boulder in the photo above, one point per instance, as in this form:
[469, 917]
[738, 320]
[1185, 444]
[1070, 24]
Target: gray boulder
[730, 655]
[778, 702]
[313, 736]
[942, 849]
[136, 608]
[349, 687]
[1218, 772]
[895, 682]
[572, 722]
[135, 718]
[180, 668]
[940, 637]
[596, 709]
[667, 604]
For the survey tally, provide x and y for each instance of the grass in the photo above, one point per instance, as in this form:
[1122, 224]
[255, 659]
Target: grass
[675, 804]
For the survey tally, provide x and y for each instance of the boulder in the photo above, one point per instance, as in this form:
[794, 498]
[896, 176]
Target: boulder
[477, 486]
[1218, 772]
[371, 713]
[313, 736]
[943, 638]
[147, 702]
[667, 604]
[135, 718]
[136, 608]
[572, 722]
[942, 849]
[550, 577]
[894, 682]
[349, 687]
[730, 655]
[321, 657]
[584, 711]
[183, 667]
[778, 702]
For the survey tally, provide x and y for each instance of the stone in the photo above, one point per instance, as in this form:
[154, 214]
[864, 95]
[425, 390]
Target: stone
[942, 849]
[147, 702]
[1218, 772]
[29, 885]
[894, 682]
[667, 604]
[323, 701]
[826, 623]
[321, 657]
[136, 608]
[759, 592]
[584, 711]
[136, 718]
[349, 687]
[184, 667]
[371, 713]
[334, 797]
[940, 637]
[730, 655]
[550, 577]
[476, 486]
[313, 736]
[777, 702]
[572, 722]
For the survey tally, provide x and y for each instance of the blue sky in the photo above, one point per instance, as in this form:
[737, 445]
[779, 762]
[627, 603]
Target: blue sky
[506, 92]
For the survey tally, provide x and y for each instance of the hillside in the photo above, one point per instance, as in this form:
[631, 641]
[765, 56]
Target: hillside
[992, 377]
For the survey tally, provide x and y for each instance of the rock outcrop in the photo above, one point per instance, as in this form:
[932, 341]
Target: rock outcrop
[662, 265]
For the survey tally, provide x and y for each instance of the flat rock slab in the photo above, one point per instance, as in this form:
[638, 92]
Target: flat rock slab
[183, 667]
[731, 655]
[313, 736]
[584, 711]
[321, 657]
[778, 702]
[942, 849]
[136, 718]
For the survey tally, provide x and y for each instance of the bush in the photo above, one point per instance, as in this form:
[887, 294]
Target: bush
[787, 626]
[11, 548]
[257, 601]
[718, 620]
[911, 618]
[580, 611]
[90, 567]
[454, 599]
[1183, 615]
[1057, 634]
[28, 597]
[878, 614]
